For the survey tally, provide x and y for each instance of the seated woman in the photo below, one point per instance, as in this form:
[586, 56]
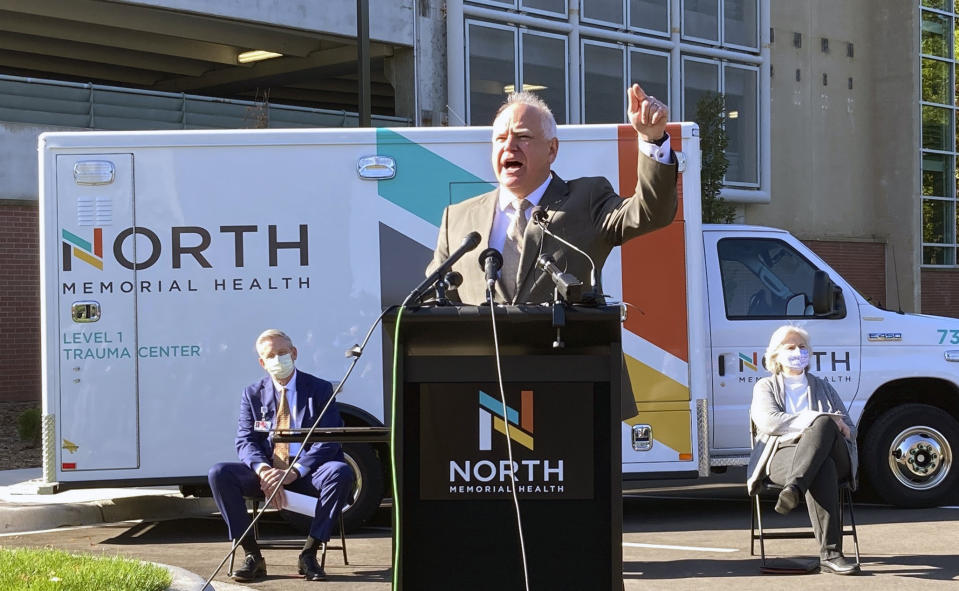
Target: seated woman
[805, 442]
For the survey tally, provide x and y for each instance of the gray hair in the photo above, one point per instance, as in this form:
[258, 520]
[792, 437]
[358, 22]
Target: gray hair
[531, 100]
[269, 334]
[772, 351]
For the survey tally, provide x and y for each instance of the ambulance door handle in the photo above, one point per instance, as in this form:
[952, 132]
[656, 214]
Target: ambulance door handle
[722, 365]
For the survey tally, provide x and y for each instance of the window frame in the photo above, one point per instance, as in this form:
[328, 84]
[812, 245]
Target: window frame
[521, 47]
[582, 78]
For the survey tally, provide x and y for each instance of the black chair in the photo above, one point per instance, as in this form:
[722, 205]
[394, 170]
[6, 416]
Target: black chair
[271, 544]
[768, 486]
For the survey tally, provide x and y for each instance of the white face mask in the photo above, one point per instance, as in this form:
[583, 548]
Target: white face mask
[279, 366]
[795, 359]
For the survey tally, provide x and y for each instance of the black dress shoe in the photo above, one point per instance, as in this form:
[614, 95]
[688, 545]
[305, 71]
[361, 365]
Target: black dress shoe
[839, 566]
[788, 499]
[310, 568]
[254, 567]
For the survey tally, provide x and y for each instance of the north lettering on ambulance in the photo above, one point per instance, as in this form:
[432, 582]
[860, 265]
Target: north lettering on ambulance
[190, 247]
[829, 364]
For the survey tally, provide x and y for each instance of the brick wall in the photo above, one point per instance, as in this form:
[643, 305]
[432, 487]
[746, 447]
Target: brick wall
[940, 292]
[862, 264]
[19, 302]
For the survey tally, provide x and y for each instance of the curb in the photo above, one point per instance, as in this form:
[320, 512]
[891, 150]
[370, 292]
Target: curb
[16, 518]
[184, 580]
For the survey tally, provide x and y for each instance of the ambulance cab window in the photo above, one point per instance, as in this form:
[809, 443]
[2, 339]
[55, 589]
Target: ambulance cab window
[765, 278]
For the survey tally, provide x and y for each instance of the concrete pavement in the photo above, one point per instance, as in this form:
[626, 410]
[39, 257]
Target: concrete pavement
[677, 536]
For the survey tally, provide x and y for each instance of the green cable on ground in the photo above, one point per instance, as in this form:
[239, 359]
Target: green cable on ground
[396, 495]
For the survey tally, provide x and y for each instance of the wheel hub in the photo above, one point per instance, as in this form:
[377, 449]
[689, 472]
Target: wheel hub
[920, 457]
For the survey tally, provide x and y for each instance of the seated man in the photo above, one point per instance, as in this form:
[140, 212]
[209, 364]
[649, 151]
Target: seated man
[286, 398]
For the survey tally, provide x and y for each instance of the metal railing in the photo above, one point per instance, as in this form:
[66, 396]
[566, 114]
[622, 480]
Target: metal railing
[94, 106]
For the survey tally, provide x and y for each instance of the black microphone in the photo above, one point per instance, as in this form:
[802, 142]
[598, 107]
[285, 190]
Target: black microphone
[570, 288]
[540, 217]
[471, 241]
[491, 261]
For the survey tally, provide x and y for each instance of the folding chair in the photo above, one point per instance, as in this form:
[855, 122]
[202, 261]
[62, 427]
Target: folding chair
[287, 543]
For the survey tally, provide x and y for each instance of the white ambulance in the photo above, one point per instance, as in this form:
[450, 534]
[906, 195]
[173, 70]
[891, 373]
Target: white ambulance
[164, 254]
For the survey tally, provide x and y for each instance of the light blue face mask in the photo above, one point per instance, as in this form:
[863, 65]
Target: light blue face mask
[795, 359]
[279, 366]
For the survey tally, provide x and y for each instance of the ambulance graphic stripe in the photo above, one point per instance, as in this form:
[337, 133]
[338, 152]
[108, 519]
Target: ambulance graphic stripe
[87, 258]
[77, 241]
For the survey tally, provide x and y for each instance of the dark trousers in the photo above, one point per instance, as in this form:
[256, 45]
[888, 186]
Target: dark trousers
[816, 463]
[331, 484]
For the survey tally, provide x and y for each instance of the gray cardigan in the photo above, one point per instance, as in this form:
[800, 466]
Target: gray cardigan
[770, 420]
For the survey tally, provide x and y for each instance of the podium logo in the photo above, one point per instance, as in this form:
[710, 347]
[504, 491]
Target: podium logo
[74, 246]
[493, 416]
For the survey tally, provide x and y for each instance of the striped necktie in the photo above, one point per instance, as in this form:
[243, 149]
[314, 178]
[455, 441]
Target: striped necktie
[513, 249]
[281, 451]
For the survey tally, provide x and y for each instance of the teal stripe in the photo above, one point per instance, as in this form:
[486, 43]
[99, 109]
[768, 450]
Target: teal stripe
[425, 182]
[77, 241]
[496, 407]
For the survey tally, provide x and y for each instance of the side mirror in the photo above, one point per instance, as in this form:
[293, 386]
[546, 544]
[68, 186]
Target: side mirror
[796, 305]
[826, 295]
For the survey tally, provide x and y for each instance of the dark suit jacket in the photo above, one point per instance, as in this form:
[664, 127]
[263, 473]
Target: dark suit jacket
[586, 212]
[256, 447]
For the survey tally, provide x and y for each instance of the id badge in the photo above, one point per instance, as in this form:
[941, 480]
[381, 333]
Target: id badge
[262, 426]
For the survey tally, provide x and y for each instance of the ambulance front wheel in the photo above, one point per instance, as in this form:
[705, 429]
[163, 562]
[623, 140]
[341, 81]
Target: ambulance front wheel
[909, 456]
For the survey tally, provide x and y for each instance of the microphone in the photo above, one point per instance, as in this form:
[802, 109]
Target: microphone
[540, 217]
[471, 241]
[491, 261]
[570, 288]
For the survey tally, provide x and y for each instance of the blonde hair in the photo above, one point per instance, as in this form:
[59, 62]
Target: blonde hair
[771, 358]
[531, 100]
[269, 334]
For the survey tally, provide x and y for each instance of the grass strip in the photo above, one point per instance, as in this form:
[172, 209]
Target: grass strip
[46, 569]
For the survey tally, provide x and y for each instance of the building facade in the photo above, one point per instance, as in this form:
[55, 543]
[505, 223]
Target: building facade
[841, 116]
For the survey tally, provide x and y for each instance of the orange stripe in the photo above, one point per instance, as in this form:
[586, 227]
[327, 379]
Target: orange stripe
[98, 242]
[526, 411]
[654, 265]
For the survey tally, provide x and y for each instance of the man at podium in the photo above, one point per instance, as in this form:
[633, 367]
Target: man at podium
[586, 211]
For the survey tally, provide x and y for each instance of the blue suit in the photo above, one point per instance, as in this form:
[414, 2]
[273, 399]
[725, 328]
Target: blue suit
[324, 473]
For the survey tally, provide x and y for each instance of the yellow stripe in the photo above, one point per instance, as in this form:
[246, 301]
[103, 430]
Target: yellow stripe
[663, 404]
[650, 385]
[87, 258]
[516, 434]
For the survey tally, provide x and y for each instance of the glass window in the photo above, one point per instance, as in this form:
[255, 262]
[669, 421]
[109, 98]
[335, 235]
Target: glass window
[491, 70]
[742, 124]
[609, 11]
[544, 70]
[936, 35]
[604, 90]
[652, 15]
[938, 255]
[936, 172]
[554, 6]
[651, 71]
[937, 128]
[765, 278]
[941, 4]
[701, 19]
[699, 78]
[937, 81]
[739, 23]
[938, 221]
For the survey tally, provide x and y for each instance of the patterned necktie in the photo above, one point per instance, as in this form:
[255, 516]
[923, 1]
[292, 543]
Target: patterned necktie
[281, 451]
[513, 249]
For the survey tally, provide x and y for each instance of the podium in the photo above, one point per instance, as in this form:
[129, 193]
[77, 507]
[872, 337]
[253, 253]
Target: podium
[457, 522]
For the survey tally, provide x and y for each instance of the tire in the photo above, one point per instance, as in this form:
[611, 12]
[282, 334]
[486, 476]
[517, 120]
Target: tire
[910, 456]
[367, 490]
